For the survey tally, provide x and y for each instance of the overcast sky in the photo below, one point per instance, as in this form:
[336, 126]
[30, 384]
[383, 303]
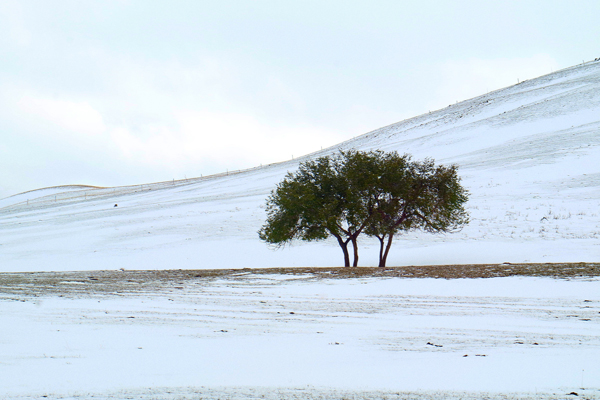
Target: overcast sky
[122, 92]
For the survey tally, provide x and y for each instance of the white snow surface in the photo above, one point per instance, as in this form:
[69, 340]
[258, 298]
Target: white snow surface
[529, 155]
[273, 337]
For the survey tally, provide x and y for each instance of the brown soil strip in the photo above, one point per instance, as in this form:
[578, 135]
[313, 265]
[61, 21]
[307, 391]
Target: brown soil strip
[90, 283]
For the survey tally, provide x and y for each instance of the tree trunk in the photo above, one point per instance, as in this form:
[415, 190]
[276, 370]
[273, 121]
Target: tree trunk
[381, 243]
[387, 251]
[355, 247]
[344, 246]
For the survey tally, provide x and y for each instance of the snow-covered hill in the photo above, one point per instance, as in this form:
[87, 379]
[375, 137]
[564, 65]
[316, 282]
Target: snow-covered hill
[529, 154]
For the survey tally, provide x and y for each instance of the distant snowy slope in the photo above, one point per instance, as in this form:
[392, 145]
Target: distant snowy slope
[38, 194]
[529, 154]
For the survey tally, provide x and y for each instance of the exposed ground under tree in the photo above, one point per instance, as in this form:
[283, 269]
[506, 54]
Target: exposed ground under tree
[89, 282]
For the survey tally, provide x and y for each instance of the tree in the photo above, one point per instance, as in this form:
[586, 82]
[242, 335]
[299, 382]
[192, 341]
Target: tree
[326, 197]
[378, 193]
[415, 195]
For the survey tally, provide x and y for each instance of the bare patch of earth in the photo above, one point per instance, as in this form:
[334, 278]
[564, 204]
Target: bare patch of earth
[133, 281]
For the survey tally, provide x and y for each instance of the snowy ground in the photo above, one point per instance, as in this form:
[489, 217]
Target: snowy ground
[528, 154]
[296, 336]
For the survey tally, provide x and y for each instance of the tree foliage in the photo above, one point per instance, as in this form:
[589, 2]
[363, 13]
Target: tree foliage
[325, 197]
[415, 195]
[378, 193]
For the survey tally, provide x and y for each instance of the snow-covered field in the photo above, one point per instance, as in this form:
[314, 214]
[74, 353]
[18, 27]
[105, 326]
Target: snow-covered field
[284, 336]
[528, 154]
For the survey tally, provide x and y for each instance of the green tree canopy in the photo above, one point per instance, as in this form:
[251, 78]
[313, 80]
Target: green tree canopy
[325, 197]
[415, 195]
[374, 192]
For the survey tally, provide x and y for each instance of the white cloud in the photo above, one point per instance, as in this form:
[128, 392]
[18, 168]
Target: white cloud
[77, 117]
[221, 139]
[464, 79]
